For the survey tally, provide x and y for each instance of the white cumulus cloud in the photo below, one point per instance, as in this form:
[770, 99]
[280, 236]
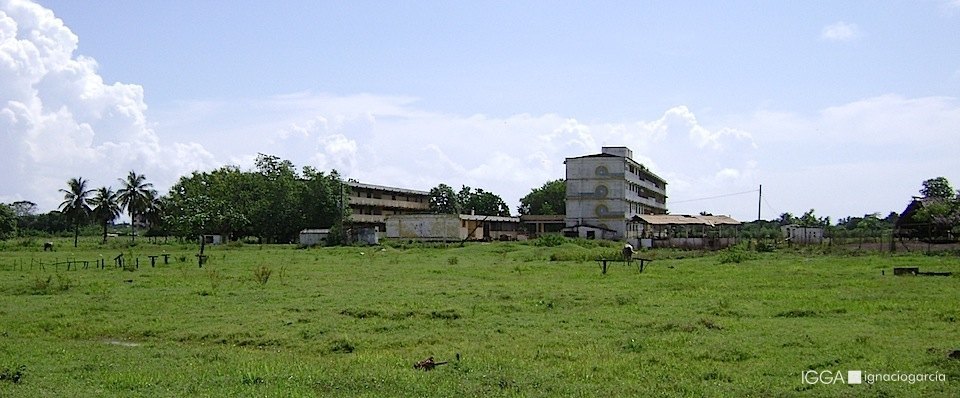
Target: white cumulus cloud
[59, 119]
[841, 31]
[390, 141]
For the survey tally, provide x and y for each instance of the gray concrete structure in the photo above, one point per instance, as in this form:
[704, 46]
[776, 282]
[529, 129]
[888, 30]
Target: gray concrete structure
[452, 227]
[794, 233]
[371, 204]
[313, 237]
[606, 191]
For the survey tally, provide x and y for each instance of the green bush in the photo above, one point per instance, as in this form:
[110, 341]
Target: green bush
[13, 375]
[551, 240]
[735, 254]
[44, 286]
[764, 247]
[262, 274]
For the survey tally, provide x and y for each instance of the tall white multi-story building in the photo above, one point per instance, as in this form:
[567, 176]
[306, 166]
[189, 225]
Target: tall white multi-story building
[607, 191]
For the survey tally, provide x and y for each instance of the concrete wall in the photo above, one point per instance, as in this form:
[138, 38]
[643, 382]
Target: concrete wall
[438, 227]
[803, 235]
[313, 238]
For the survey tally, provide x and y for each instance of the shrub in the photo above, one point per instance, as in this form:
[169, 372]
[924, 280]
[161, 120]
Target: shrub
[214, 277]
[632, 346]
[735, 254]
[261, 274]
[550, 240]
[764, 247]
[13, 375]
[40, 285]
[448, 315]
[341, 346]
[43, 286]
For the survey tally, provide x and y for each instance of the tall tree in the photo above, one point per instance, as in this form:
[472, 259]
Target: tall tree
[153, 215]
[275, 214]
[106, 208]
[937, 188]
[8, 221]
[24, 208]
[443, 200]
[74, 205]
[321, 200]
[549, 199]
[810, 219]
[481, 202]
[135, 196]
[787, 219]
[210, 202]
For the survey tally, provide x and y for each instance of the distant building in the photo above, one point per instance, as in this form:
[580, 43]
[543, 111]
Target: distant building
[371, 204]
[910, 225]
[538, 225]
[212, 239]
[606, 191]
[452, 227]
[802, 235]
[314, 237]
[687, 231]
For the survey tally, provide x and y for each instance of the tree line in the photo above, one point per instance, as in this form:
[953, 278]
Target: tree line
[272, 202]
[549, 199]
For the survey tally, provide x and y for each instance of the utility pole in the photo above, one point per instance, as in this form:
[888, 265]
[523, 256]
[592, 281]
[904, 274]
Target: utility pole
[759, 202]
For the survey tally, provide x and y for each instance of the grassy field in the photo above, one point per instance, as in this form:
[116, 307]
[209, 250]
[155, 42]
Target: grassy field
[523, 320]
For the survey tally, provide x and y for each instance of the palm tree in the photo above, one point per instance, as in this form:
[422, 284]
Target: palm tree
[106, 208]
[153, 214]
[74, 205]
[135, 196]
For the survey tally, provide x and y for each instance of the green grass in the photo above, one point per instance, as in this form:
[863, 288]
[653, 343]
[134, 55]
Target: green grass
[280, 321]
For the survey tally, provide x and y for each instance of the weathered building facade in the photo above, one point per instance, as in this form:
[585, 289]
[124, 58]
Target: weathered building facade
[371, 204]
[452, 227]
[606, 191]
[794, 233]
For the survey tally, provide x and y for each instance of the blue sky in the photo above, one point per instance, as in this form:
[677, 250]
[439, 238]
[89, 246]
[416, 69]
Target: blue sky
[844, 107]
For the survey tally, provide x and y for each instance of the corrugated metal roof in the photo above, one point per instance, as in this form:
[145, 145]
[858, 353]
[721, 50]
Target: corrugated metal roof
[684, 219]
[388, 189]
[478, 217]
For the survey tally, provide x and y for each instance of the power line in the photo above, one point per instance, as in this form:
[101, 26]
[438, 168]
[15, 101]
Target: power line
[714, 197]
[770, 207]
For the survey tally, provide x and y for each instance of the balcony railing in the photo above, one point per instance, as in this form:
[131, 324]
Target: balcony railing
[389, 204]
[368, 218]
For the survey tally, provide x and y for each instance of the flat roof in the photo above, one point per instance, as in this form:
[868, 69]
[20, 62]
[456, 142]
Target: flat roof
[538, 217]
[386, 188]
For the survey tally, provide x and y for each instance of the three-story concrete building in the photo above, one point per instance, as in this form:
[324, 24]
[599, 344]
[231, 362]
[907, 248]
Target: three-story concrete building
[371, 204]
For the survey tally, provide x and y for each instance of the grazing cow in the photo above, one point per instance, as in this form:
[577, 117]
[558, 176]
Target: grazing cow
[627, 253]
[48, 246]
